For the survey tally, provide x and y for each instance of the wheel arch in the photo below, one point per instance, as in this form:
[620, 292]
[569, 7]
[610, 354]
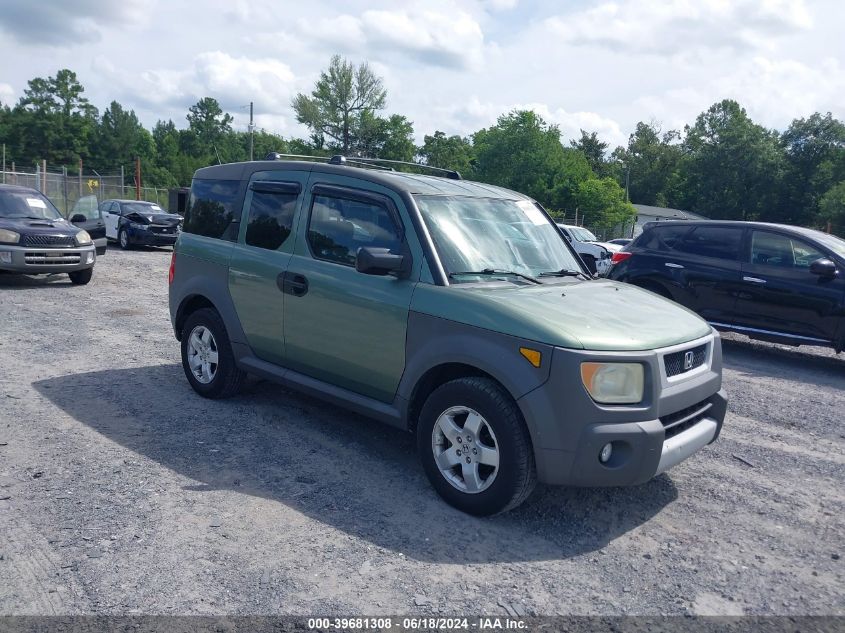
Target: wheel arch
[188, 306]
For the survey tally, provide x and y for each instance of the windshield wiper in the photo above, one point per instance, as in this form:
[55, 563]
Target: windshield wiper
[494, 271]
[563, 272]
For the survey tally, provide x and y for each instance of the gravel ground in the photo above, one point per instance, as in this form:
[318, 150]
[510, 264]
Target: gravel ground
[122, 492]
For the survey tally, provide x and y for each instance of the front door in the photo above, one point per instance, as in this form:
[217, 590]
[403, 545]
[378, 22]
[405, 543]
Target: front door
[111, 216]
[780, 294]
[341, 326]
[260, 259]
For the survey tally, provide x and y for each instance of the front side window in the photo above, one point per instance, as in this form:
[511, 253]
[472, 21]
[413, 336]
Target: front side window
[270, 219]
[773, 249]
[477, 234]
[338, 227]
[27, 205]
[212, 210]
[718, 242]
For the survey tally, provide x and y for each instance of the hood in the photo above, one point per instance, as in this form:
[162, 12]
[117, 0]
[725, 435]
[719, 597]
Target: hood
[613, 248]
[167, 219]
[595, 315]
[28, 226]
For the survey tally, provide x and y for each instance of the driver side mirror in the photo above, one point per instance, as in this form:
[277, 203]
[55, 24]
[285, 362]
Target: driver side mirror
[78, 218]
[378, 261]
[823, 267]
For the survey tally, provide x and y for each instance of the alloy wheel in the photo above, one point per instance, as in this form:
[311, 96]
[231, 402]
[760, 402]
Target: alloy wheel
[202, 354]
[465, 449]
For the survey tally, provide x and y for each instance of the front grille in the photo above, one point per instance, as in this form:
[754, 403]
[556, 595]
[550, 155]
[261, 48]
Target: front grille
[680, 421]
[49, 241]
[680, 363]
[166, 230]
[45, 259]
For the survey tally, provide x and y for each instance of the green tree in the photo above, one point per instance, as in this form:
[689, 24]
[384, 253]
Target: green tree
[649, 165]
[343, 93]
[447, 152]
[594, 149]
[733, 167]
[391, 138]
[207, 125]
[602, 204]
[815, 162]
[524, 153]
[832, 209]
[119, 138]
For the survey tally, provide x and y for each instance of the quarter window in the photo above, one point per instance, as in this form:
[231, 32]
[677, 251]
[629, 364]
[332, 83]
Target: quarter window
[212, 210]
[270, 219]
[773, 249]
[338, 227]
[719, 242]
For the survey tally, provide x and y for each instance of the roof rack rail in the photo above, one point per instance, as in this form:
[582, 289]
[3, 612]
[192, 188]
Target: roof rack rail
[450, 173]
[373, 163]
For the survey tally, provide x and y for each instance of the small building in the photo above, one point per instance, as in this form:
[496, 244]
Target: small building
[646, 213]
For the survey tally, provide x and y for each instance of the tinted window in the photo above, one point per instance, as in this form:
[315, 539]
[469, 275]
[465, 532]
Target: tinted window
[712, 241]
[212, 209]
[270, 219]
[338, 227]
[662, 237]
[772, 249]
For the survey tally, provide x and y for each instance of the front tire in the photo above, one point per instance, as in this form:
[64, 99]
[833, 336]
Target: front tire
[123, 240]
[207, 357]
[475, 448]
[81, 277]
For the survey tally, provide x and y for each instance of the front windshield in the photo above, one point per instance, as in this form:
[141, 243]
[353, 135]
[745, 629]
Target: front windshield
[141, 207]
[27, 205]
[583, 235]
[836, 244]
[477, 234]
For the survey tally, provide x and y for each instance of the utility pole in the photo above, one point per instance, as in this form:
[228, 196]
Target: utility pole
[80, 177]
[122, 183]
[251, 132]
[4, 163]
[627, 182]
[137, 177]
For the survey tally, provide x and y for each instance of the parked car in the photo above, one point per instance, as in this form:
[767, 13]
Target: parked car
[596, 255]
[35, 239]
[86, 214]
[620, 241]
[447, 309]
[769, 281]
[134, 222]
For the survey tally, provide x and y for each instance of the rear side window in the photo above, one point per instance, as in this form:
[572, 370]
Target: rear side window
[338, 227]
[662, 238]
[212, 210]
[270, 218]
[712, 241]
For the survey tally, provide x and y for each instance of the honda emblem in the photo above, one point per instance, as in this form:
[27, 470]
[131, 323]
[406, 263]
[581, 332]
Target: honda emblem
[689, 359]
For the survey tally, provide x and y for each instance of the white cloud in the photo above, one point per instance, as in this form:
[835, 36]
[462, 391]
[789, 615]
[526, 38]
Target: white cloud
[501, 5]
[7, 95]
[681, 27]
[450, 39]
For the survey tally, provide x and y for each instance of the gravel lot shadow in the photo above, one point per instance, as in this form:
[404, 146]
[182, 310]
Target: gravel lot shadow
[14, 280]
[348, 472]
[775, 361]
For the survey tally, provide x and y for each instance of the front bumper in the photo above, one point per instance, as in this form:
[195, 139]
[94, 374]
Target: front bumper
[151, 238]
[678, 417]
[34, 260]
[101, 244]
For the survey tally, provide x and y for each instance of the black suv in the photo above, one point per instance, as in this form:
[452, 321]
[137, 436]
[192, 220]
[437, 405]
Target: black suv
[772, 282]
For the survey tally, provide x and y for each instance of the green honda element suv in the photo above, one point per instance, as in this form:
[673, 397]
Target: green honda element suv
[450, 309]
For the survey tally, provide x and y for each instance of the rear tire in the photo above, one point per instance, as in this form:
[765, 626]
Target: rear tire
[465, 427]
[81, 277]
[207, 357]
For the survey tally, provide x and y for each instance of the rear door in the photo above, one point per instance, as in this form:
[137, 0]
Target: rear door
[780, 294]
[705, 268]
[341, 326]
[260, 259]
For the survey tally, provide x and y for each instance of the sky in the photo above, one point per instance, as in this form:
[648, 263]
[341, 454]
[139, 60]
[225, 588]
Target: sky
[456, 66]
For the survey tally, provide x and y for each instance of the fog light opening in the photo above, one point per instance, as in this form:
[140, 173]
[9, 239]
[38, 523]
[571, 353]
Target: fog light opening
[606, 452]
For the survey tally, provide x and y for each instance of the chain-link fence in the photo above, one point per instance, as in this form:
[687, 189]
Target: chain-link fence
[64, 189]
[626, 229]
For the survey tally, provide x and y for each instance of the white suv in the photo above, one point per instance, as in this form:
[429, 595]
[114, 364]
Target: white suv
[596, 255]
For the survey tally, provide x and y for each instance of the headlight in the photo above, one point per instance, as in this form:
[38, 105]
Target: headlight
[10, 237]
[614, 383]
[139, 227]
[83, 239]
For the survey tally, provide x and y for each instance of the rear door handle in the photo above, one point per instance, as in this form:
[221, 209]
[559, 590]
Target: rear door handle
[754, 280]
[672, 265]
[292, 283]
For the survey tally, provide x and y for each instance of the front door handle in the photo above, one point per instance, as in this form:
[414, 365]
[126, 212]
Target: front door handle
[292, 283]
[754, 280]
[671, 265]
